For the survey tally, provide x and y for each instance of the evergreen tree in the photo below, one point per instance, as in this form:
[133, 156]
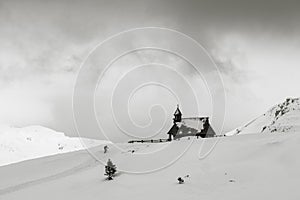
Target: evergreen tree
[110, 170]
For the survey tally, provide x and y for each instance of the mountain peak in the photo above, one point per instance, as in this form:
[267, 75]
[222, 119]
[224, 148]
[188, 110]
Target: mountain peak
[283, 117]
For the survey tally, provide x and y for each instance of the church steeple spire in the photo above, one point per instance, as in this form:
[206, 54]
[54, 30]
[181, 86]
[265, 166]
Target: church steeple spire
[177, 115]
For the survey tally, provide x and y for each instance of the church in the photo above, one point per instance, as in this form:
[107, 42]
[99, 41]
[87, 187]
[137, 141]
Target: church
[191, 126]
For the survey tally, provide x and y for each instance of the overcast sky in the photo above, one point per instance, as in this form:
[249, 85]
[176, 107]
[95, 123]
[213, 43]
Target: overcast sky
[256, 45]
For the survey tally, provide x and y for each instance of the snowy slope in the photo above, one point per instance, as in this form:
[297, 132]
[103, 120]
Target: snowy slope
[19, 144]
[284, 117]
[254, 166]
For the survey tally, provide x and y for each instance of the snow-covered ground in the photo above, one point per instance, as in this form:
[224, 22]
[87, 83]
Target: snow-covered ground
[19, 144]
[246, 166]
[252, 166]
[284, 117]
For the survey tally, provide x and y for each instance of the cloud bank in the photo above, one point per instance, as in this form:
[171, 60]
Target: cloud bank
[255, 44]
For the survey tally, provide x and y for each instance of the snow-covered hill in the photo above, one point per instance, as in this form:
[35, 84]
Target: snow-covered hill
[284, 117]
[248, 167]
[19, 144]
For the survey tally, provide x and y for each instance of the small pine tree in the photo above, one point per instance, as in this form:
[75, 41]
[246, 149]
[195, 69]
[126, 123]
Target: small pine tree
[110, 170]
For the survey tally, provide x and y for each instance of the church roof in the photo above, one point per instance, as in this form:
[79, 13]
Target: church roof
[174, 129]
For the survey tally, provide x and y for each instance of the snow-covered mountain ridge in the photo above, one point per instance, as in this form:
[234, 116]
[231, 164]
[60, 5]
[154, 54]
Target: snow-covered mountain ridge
[283, 117]
[19, 144]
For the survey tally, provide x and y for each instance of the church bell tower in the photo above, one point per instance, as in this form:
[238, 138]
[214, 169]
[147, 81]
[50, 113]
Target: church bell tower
[177, 115]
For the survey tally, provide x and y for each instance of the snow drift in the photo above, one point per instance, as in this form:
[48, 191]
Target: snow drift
[253, 166]
[19, 144]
